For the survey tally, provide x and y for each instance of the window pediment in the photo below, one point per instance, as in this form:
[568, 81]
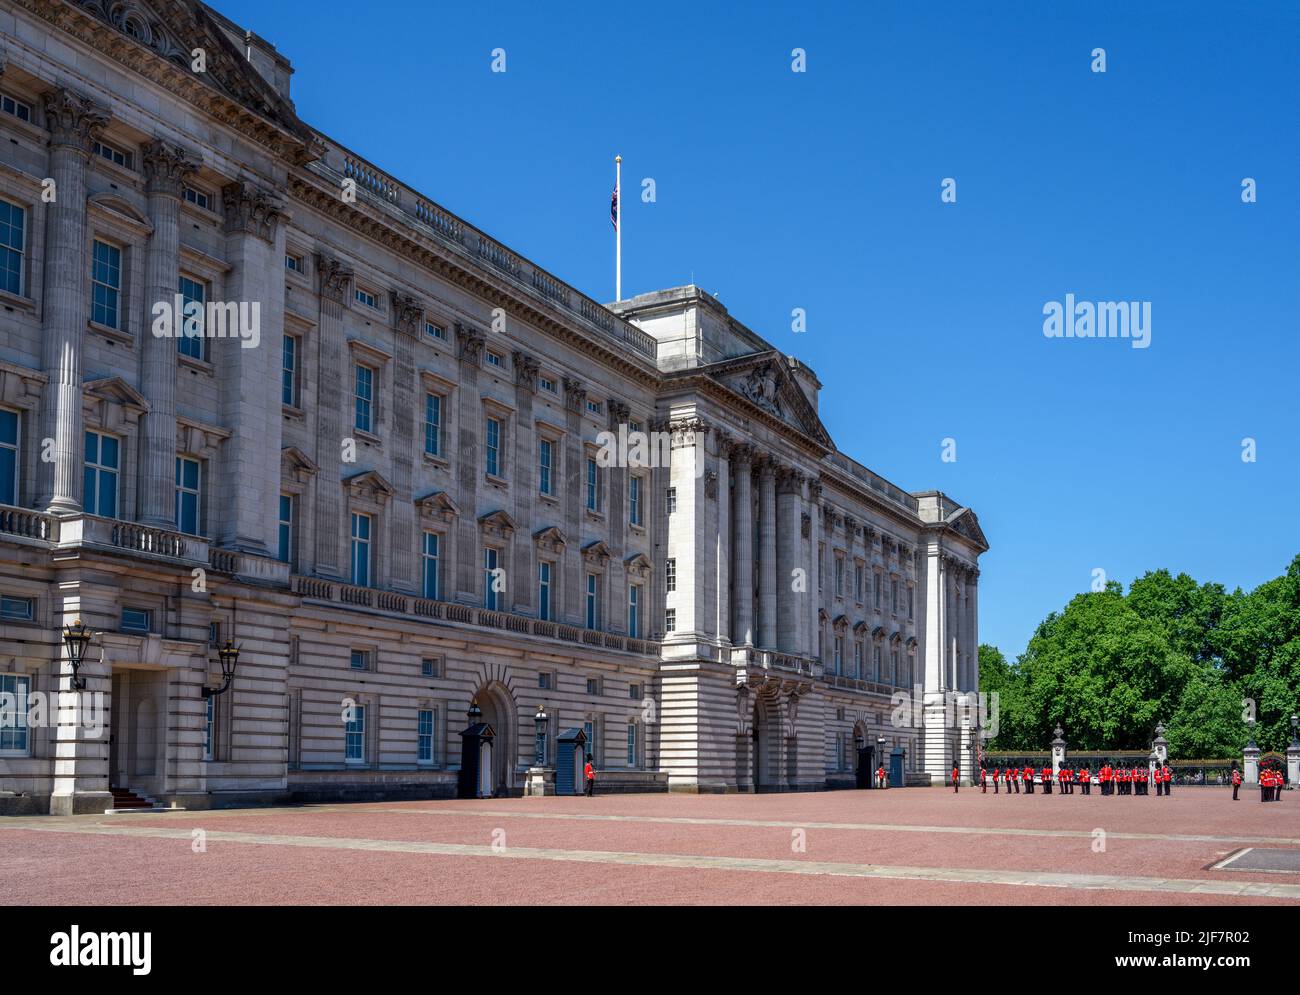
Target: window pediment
[296, 464]
[596, 552]
[437, 505]
[638, 565]
[370, 486]
[549, 538]
[496, 523]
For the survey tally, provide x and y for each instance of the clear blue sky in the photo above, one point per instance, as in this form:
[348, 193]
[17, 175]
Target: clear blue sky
[821, 190]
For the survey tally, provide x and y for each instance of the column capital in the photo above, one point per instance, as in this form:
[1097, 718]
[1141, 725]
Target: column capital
[815, 490]
[166, 167]
[789, 480]
[619, 413]
[251, 209]
[767, 465]
[742, 456]
[74, 120]
[335, 278]
[575, 394]
[469, 344]
[407, 312]
[526, 370]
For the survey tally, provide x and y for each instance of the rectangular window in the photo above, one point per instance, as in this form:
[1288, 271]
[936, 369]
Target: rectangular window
[492, 577]
[13, 731]
[360, 660]
[634, 500]
[293, 263]
[544, 681]
[361, 550]
[494, 447]
[435, 331]
[670, 575]
[893, 659]
[355, 748]
[857, 660]
[113, 154]
[593, 485]
[670, 500]
[187, 496]
[634, 611]
[100, 477]
[548, 385]
[364, 396]
[367, 298]
[137, 620]
[911, 592]
[545, 464]
[857, 583]
[284, 551]
[428, 667]
[670, 620]
[594, 407]
[879, 582]
[424, 736]
[16, 108]
[493, 358]
[544, 590]
[589, 729]
[16, 609]
[190, 342]
[200, 199]
[593, 685]
[106, 284]
[13, 238]
[839, 576]
[593, 603]
[634, 692]
[631, 744]
[821, 566]
[9, 461]
[433, 424]
[894, 596]
[289, 372]
[875, 663]
[839, 655]
[429, 556]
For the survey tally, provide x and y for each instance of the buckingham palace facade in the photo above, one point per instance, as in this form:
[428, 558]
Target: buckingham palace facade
[407, 473]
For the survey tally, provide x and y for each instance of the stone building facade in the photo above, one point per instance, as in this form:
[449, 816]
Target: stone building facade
[387, 477]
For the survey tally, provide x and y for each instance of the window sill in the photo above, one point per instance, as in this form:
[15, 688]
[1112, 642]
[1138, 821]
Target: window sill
[636, 529]
[113, 334]
[367, 437]
[496, 481]
[17, 301]
[594, 516]
[548, 498]
[196, 365]
[438, 461]
[293, 413]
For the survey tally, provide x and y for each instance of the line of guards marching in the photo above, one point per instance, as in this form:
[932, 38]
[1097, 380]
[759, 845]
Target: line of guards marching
[1112, 780]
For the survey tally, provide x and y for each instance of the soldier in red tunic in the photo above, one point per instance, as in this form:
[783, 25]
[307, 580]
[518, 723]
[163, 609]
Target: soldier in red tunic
[1047, 780]
[1085, 779]
[984, 780]
[1015, 779]
[956, 778]
[1236, 780]
[1029, 780]
[1168, 776]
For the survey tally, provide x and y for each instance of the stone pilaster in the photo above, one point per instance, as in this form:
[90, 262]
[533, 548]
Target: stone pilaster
[74, 123]
[722, 577]
[767, 554]
[575, 468]
[526, 485]
[166, 168]
[408, 318]
[742, 579]
[812, 563]
[332, 424]
[248, 372]
[469, 466]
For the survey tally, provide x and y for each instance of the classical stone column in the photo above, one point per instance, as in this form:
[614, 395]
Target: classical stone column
[575, 470]
[767, 554]
[742, 544]
[812, 563]
[789, 513]
[330, 529]
[74, 123]
[526, 487]
[166, 168]
[248, 371]
[723, 550]
[404, 548]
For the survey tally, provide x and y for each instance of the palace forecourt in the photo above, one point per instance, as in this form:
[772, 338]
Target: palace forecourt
[844, 847]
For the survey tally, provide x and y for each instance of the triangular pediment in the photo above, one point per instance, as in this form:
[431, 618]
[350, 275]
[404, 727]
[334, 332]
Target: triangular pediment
[637, 564]
[116, 390]
[296, 461]
[596, 550]
[145, 34]
[965, 524]
[550, 538]
[370, 484]
[496, 521]
[765, 381]
[437, 504]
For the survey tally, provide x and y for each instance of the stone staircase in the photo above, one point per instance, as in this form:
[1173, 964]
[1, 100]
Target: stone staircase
[125, 800]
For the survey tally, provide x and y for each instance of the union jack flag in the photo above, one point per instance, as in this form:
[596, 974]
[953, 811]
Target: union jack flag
[613, 208]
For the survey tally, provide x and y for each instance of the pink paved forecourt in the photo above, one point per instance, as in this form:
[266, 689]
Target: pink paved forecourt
[905, 847]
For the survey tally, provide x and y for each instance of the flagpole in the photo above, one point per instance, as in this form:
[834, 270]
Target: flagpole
[618, 228]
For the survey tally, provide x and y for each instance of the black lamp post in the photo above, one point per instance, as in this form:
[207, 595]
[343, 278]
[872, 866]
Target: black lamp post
[77, 637]
[475, 713]
[229, 654]
[540, 720]
[880, 743]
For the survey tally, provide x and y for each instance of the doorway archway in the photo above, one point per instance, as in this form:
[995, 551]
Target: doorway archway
[864, 759]
[499, 712]
[764, 749]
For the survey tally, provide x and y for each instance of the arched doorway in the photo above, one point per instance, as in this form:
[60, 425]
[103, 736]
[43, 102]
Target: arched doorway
[864, 756]
[499, 712]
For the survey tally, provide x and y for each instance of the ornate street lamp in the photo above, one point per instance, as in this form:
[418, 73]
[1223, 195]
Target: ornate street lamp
[77, 637]
[475, 713]
[1295, 721]
[540, 720]
[880, 744]
[229, 654]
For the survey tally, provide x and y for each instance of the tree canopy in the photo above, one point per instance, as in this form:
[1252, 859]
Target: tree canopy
[1111, 665]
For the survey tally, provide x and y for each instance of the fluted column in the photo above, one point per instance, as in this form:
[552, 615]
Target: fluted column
[789, 513]
[767, 554]
[742, 544]
[972, 630]
[166, 168]
[74, 123]
[408, 319]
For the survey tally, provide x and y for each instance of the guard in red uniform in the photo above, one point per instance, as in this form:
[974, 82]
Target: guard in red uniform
[1236, 780]
[1015, 779]
[1168, 776]
[880, 777]
[956, 778]
[1060, 780]
[589, 772]
[984, 781]
[1047, 780]
[1029, 780]
[1103, 776]
[1085, 779]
